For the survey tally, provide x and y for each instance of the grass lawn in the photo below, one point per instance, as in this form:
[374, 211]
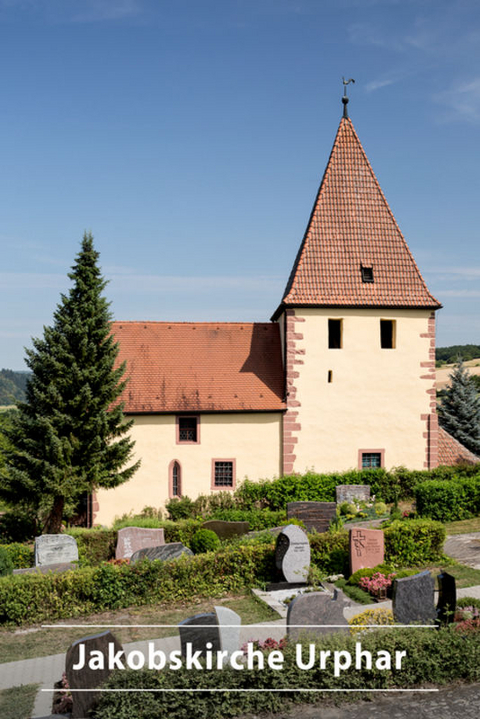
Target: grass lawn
[466, 526]
[33, 641]
[17, 702]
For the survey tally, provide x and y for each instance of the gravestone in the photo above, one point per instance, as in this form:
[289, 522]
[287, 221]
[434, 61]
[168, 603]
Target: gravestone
[131, 539]
[87, 678]
[229, 623]
[314, 515]
[352, 493]
[366, 547]
[292, 554]
[55, 568]
[225, 530]
[447, 598]
[307, 611]
[198, 636]
[55, 549]
[413, 599]
[164, 552]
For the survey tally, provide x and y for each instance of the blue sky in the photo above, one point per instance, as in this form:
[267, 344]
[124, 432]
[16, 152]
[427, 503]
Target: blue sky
[190, 137]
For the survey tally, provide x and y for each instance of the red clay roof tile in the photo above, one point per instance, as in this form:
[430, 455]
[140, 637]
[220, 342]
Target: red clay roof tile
[201, 366]
[351, 226]
[452, 452]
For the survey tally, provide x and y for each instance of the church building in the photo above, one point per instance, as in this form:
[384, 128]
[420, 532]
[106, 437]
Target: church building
[342, 377]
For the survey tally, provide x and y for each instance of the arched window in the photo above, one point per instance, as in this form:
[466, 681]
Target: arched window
[175, 479]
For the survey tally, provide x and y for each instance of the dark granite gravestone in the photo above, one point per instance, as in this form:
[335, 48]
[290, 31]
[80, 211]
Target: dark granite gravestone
[413, 599]
[447, 598]
[311, 609]
[131, 539]
[55, 549]
[314, 515]
[366, 547]
[352, 493]
[225, 530]
[164, 552]
[292, 554]
[198, 636]
[86, 677]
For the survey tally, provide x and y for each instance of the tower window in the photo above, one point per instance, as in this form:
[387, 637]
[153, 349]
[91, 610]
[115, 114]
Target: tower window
[387, 334]
[335, 334]
[367, 274]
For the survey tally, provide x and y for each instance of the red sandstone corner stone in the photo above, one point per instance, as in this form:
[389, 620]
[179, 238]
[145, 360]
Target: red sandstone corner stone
[367, 548]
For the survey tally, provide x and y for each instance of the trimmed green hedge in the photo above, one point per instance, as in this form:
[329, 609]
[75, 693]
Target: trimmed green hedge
[22, 555]
[450, 500]
[39, 597]
[432, 657]
[414, 541]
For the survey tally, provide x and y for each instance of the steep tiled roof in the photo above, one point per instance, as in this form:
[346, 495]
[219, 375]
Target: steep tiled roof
[351, 226]
[207, 366]
[451, 452]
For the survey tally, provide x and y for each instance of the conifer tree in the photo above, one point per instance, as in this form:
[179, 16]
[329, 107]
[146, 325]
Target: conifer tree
[459, 411]
[69, 436]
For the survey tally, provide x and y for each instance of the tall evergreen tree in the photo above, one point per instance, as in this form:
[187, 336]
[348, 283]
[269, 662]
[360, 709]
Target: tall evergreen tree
[459, 411]
[69, 436]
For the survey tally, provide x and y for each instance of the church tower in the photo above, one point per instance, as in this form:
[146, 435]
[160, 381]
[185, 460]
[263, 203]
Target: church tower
[358, 329]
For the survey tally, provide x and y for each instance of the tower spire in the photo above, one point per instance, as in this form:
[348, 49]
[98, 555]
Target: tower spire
[345, 98]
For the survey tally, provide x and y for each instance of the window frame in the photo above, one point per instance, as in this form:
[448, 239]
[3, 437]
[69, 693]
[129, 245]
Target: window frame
[361, 452]
[393, 324]
[340, 324]
[223, 487]
[171, 468]
[177, 430]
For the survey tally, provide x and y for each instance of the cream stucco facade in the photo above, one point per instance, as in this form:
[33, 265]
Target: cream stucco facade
[251, 440]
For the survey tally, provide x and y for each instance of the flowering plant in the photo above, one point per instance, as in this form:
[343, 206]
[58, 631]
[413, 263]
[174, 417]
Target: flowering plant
[265, 644]
[378, 584]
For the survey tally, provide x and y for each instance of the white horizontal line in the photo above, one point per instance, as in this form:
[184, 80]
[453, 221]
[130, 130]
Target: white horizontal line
[294, 689]
[233, 626]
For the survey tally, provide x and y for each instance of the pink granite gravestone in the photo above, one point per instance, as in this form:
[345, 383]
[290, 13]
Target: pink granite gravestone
[366, 548]
[131, 539]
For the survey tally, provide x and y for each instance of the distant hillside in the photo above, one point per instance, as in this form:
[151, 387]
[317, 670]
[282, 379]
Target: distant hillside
[451, 354]
[12, 386]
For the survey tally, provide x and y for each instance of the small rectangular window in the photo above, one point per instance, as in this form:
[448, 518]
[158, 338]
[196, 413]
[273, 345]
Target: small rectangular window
[334, 334]
[187, 429]
[330, 375]
[223, 474]
[387, 334]
[371, 460]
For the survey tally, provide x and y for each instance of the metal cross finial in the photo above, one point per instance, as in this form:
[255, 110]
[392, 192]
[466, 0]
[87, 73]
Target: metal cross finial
[345, 98]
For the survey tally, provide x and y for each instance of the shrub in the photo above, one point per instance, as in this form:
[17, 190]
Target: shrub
[6, 564]
[413, 542]
[18, 525]
[257, 519]
[94, 545]
[449, 500]
[204, 540]
[329, 552]
[179, 508]
[22, 556]
[468, 602]
[380, 508]
[379, 617]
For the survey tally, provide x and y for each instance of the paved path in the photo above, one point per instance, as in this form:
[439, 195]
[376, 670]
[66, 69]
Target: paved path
[465, 548]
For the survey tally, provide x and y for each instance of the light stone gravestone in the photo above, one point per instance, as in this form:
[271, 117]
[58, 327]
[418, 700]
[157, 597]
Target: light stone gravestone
[292, 554]
[55, 549]
[55, 568]
[307, 611]
[314, 515]
[222, 630]
[131, 539]
[447, 598]
[413, 599]
[87, 678]
[225, 530]
[352, 493]
[164, 552]
[367, 548]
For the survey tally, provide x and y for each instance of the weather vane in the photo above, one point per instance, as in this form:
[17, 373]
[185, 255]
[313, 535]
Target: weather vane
[345, 98]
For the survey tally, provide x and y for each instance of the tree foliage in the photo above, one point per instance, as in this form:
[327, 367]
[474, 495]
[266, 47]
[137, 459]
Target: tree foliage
[459, 411]
[69, 436]
[452, 353]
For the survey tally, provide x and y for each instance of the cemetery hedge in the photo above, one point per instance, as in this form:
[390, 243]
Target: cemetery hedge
[450, 500]
[433, 657]
[22, 555]
[34, 598]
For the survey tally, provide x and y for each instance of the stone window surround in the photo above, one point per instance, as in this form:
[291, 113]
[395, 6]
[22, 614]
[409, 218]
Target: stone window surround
[170, 478]
[361, 452]
[177, 428]
[227, 488]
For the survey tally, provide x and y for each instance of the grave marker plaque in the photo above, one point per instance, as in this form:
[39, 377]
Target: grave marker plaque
[413, 599]
[292, 554]
[314, 515]
[316, 608]
[199, 636]
[55, 549]
[164, 552]
[367, 548]
[352, 493]
[131, 539]
[447, 597]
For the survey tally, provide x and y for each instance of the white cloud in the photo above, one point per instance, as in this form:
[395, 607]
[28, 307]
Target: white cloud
[461, 100]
